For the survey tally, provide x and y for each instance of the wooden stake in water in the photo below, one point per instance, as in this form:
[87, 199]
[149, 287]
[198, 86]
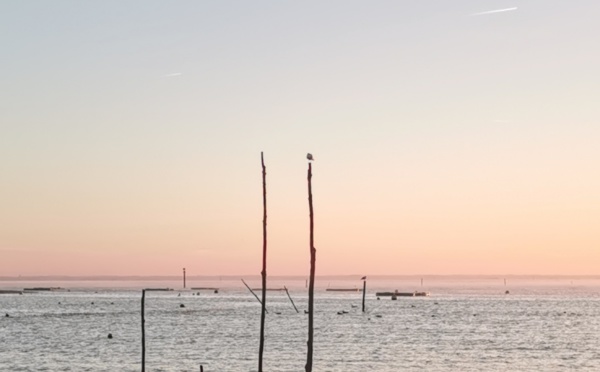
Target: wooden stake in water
[263, 273]
[364, 293]
[290, 297]
[184, 278]
[311, 282]
[143, 332]
[255, 296]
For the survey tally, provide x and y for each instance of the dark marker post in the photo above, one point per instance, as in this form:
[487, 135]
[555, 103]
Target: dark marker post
[184, 278]
[364, 279]
[311, 282]
[143, 332]
[263, 273]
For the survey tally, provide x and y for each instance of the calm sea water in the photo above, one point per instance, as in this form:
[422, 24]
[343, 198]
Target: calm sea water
[465, 325]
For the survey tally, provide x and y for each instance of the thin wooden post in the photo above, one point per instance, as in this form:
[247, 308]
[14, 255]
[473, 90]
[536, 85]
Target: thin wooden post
[251, 291]
[364, 294]
[290, 297]
[184, 278]
[143, 332]
[311, 284]
[263, 273]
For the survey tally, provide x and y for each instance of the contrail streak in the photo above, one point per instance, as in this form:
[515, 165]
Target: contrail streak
[495, 11]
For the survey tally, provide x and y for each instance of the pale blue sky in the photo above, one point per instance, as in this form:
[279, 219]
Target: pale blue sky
[413, 109]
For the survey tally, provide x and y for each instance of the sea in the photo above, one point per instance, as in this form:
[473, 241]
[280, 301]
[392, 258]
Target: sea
[465, 324]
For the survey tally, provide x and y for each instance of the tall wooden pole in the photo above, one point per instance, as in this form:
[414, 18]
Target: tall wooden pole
[184, 278]
[364, 294]
[311, 282]
[263, 273]
[143, 332]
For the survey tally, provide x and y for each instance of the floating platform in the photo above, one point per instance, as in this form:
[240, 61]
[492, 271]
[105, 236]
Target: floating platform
[6, 291]
[344, 290]
[44, 289]
[402, 294]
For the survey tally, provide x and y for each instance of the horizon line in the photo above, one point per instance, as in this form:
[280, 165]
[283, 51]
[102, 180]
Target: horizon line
[293, 277]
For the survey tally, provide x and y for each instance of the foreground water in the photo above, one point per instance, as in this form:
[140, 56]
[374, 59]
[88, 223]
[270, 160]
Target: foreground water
[466, 325]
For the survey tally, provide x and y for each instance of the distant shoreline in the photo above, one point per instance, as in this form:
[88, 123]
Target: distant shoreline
[281, 277]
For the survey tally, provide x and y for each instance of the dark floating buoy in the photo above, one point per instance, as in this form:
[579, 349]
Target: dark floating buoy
[507, 292]
[339, 313]
[216, 291]
[278, 313]
[112, 303]
[378, 298]
[92, 302]
[394, 298]
[6, 315]
[110, 335]
[181, 305]
[378, 316]
[59, 302]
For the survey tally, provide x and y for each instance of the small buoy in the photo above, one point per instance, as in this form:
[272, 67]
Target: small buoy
[59, 302]
[394, 298]
[339, 313]
[110, 335]
[216, 291]
[6, 315]
[92, 302]
[378, 298]
[278, 313]
[112, 303]
[507, 292]
[181, 305]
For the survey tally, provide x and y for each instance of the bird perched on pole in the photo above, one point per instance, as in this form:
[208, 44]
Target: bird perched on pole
[363, 278]
[310, 157]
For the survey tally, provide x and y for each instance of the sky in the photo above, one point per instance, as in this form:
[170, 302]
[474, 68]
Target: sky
[450, 137]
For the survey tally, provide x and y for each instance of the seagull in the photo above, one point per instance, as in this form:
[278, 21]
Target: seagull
[310, 157]
[363, 278]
